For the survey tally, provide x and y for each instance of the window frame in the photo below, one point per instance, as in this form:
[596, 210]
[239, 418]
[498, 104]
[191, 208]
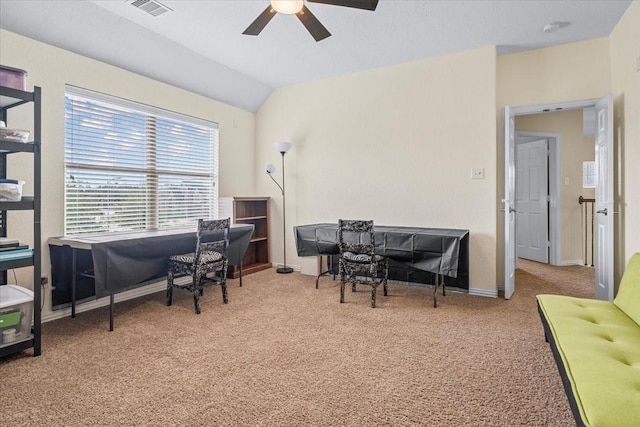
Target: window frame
[151, 173]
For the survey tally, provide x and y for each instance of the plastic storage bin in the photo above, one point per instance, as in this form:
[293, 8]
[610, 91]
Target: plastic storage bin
[13, 77]
[17, 135]
[16, 313]
[10, 190]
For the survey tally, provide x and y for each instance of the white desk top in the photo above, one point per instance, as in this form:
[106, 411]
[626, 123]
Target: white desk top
[86, 242]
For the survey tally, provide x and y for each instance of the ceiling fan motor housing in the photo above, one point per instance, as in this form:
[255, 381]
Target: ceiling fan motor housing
[308, 19]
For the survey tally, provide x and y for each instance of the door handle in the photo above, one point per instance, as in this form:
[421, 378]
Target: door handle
[602, 211]
[506, 202]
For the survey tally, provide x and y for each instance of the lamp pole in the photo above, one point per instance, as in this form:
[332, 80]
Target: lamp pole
[282, 147]
[284, 269]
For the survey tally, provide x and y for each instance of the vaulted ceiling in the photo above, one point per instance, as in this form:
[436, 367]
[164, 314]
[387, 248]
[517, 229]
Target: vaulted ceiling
[199, 45]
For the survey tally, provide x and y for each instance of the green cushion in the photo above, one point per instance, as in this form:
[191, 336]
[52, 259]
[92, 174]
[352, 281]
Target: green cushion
[600, 349]
[628, 298]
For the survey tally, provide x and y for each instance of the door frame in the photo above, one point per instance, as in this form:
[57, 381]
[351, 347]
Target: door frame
[520, 111]
[553, 141]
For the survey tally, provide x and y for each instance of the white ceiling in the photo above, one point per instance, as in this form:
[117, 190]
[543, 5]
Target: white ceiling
[199, 46]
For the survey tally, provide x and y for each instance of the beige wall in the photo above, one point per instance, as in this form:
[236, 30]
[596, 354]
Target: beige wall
[406, 135]
[51, 68]
[568, 124]
[563, 73]
[624, 45]
[395, 145]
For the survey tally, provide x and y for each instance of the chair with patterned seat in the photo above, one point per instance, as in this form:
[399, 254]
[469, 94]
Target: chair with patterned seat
[207, 265]
[358, 261]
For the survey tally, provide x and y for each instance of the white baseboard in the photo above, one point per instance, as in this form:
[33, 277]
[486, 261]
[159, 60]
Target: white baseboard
[162, 285]
[571, 262]
[492, 293]
[122, 296]
[472, 291]
[276, 265]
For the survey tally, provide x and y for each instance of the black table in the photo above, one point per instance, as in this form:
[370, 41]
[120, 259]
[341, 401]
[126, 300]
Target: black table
[114, 263]
[414, 253]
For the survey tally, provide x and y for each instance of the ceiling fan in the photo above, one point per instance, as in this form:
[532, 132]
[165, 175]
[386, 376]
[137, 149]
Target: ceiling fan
[297, 7]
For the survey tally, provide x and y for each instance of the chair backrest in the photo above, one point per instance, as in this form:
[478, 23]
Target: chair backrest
[356, 236]
[205, 240]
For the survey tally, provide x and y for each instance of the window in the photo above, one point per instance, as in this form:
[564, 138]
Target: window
[132, 167]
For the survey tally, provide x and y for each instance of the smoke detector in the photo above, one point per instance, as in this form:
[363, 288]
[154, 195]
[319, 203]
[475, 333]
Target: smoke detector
[550, 28]
[554, 26]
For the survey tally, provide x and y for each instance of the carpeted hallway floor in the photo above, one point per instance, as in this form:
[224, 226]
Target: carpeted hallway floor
[282, 353]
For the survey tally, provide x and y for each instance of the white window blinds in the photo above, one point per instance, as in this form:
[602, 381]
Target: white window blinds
[131, 167]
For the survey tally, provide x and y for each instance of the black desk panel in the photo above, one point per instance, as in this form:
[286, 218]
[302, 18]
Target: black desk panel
[414, 253]
[122, 262]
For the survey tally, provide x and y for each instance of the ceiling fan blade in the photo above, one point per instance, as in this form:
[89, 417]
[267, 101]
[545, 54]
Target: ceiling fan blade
[311, 23]
[358, 4]
[260, 22]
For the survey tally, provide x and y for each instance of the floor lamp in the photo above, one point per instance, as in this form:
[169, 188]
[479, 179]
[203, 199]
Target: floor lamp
[282, 147]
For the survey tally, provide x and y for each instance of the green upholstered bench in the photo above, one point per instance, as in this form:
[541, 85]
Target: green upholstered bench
[596, 345]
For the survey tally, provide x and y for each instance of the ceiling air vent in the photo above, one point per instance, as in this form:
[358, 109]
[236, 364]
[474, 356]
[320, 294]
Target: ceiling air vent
[152, 7]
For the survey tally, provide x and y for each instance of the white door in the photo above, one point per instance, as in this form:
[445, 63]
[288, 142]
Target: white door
[604, 199]
[532, 230]
[508, 202]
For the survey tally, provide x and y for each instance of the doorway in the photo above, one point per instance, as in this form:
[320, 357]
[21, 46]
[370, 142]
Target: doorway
[548, 233]
[604, 190]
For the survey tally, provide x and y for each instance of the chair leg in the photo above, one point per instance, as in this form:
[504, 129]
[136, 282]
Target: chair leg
[223, 285]
[386, 276]
[196, 301]
[373, 295]
[169, 295]
[343, 278]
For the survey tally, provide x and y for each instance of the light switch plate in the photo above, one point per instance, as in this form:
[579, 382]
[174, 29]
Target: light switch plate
[477, 173]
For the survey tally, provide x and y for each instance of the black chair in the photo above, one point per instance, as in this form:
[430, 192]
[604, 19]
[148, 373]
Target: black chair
[358, 262]
[207, 265]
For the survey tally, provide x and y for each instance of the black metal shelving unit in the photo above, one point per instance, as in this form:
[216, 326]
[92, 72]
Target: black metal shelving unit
[11, 98]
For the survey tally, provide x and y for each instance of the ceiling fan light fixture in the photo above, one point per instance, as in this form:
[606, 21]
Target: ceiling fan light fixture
[288, 7]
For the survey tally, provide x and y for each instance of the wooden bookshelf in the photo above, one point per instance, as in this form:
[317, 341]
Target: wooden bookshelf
[250, 210]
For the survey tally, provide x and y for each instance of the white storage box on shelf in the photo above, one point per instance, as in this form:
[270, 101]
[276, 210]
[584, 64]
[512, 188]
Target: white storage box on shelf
[16, 313]
[10, 190]
[15, 135]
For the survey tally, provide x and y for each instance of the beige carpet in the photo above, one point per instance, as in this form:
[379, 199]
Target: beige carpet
[282, 353]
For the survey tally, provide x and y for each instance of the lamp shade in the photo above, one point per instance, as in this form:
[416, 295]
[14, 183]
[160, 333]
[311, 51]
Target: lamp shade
[283, 146]
[270, 168]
